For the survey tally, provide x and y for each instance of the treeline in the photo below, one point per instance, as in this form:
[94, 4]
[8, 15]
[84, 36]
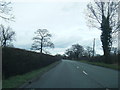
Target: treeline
[17, 61]
[78, 52]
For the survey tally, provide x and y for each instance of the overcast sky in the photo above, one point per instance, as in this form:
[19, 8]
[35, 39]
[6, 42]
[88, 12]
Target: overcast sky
[66, 22]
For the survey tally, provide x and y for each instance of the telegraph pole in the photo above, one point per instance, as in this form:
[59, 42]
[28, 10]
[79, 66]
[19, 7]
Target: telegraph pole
[93, 47]
[119, 29]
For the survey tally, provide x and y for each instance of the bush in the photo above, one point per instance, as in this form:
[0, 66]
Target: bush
[111, 59]
[17, 61]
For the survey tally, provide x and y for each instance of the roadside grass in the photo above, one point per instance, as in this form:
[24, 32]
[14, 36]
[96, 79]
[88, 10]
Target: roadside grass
[17, 81]
[112, 66]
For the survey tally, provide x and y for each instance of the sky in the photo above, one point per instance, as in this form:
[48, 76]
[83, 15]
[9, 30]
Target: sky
[66, 21]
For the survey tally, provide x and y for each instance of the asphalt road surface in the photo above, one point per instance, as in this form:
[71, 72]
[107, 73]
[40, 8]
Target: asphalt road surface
[73, 74]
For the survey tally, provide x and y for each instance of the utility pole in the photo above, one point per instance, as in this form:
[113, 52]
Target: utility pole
[93, 47]
[119, 29]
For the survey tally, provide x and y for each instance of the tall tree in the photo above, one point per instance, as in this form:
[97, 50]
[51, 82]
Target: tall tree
[104, 16]
[42, 40]
[6, 36]
[5, 10]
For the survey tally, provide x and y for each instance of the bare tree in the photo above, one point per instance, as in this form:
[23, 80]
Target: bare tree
[6, 36]
[42, 40]
[89, 51]
[5, 10]
[114, 50]
[104, 16]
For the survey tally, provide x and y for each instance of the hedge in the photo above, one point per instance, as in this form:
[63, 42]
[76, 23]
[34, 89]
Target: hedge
[17, 61]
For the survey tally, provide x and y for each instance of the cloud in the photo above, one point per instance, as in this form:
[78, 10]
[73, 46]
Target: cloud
[74, 6]
[65, 21]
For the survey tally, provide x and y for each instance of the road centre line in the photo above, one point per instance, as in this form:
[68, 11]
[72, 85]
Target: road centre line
[85, 73]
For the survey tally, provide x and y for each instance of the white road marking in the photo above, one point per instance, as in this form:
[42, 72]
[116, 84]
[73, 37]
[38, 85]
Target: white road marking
[85, 73]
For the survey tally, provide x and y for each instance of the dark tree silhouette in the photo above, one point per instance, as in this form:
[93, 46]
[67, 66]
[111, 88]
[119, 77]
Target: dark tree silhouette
[75, 51]
[42, 40]
[78, 50]
[70, 53]
[6, 36]
[114, 50]
[104, 16]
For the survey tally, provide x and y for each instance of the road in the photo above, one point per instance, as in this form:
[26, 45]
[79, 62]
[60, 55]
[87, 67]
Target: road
[73, 74]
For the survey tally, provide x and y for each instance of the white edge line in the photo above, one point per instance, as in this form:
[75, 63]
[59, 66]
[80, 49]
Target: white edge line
[85, 73]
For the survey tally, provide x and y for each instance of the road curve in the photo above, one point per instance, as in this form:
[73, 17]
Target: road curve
[73, 74]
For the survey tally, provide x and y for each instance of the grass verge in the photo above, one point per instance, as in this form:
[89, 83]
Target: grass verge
[17, 81]
[112, 66]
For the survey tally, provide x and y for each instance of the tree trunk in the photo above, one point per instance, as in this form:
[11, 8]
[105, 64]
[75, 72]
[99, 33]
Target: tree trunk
[41, 45]
[41, 49]
[106, 39]
[4, 43]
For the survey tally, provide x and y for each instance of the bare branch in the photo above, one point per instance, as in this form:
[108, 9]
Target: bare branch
[5, 11]
[42, 40]
[94, 13]
[7, 35]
